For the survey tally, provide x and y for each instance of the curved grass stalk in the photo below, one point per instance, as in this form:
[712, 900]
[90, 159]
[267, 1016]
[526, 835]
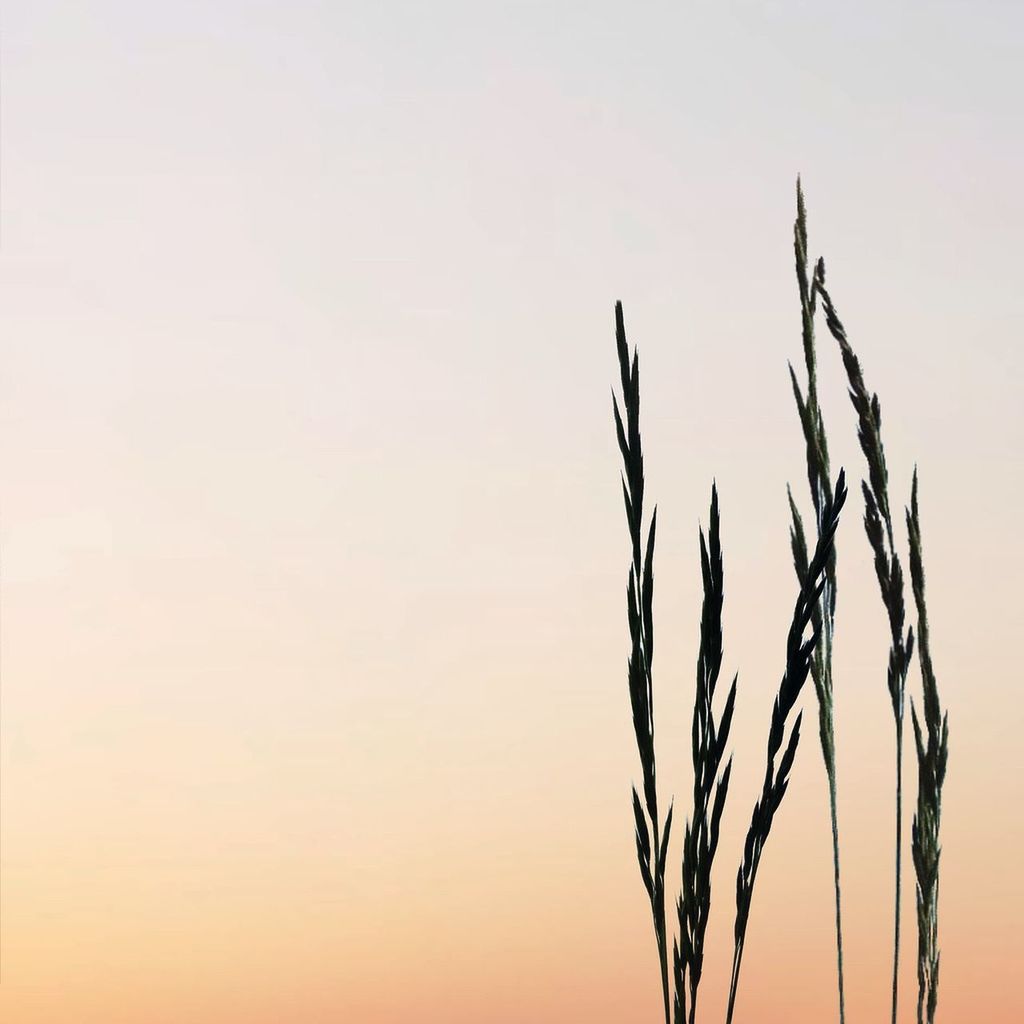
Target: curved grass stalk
[799, 657]
[879, 530]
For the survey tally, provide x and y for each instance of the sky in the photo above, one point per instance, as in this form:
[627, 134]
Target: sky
[312, 553]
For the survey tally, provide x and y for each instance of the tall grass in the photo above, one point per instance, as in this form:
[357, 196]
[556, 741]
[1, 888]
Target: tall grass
[651, 838]
[932, 752]
[932, 743]
[824, 617]
[709, 740]
[814, 612]
[879, 529]
[800, 654]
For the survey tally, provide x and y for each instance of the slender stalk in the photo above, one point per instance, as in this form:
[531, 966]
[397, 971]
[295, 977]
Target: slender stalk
[899, 874]
[658, 906]
[879, 530]
[819, 481]
[932, 753]
[799, 657]
[734, 980]
[710, 784]
[639, 606]
[839, 902]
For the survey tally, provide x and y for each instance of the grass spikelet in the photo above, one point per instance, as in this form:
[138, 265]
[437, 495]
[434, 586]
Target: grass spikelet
[651, 838]
[823, 620]
[932, 750]
[799, 657]
[710, 788]
[879, 530]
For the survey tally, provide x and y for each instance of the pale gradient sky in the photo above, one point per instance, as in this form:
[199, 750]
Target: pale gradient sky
[313, 554]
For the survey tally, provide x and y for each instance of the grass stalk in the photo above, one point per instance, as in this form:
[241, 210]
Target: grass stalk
[800, 655]
[932, 752]
[710, 787]
[899, 866]
[639, 602]
[879, 530]
[819, 481]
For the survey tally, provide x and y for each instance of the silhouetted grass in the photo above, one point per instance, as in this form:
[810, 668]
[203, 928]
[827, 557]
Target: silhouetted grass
[651, 840]
[879, 530]
[819, 480]
[799, 656]
[709, 740]
[814, 610]
[932, 751]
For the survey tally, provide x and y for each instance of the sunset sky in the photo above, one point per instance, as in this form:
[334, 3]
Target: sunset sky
[312, 548]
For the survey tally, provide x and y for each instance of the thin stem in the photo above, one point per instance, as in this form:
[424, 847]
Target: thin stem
[839, 913]
[818, 476]
[737, 959]
[899, 849]
[658, 909]
[879, 529]
[830, 770]
[663, 953]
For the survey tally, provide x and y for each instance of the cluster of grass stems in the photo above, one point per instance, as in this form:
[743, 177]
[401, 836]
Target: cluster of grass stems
[809, 652]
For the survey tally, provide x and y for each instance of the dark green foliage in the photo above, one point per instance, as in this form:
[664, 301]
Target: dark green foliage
[709, 740]
[932, 750]
[651, 844]
[799, 657]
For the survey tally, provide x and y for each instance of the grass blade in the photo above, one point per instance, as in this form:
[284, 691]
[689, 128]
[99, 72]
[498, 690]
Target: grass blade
[710, 783]
[823, 620]
[651, 839]
[932, 752]
[799, 658]
[879, 530]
